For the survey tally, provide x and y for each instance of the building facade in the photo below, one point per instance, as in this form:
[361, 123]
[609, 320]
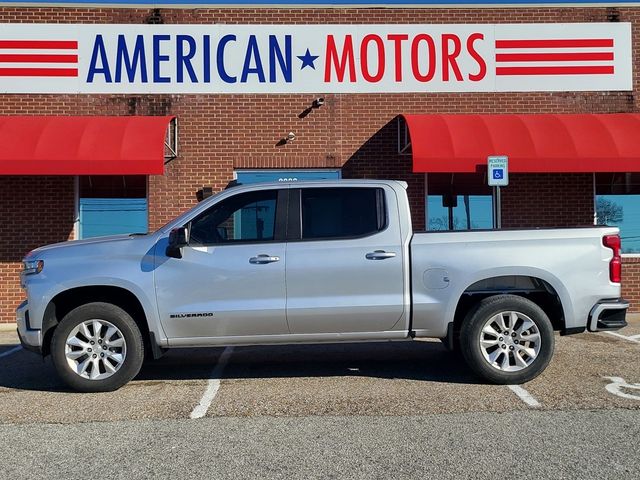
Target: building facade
[314, 132]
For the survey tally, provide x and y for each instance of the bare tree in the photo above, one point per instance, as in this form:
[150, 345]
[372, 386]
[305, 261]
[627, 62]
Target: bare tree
[608, 212]
[442, 223]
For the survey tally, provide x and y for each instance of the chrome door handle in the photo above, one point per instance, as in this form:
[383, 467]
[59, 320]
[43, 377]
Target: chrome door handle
[379, 255]
[262, 259]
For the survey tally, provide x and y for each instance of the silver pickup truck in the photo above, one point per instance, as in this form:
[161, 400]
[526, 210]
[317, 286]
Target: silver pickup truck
[310, 263]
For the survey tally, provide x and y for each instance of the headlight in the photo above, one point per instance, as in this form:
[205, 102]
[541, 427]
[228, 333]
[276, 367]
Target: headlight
[31, 267]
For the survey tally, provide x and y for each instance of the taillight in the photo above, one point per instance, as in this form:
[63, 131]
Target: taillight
[615, 265]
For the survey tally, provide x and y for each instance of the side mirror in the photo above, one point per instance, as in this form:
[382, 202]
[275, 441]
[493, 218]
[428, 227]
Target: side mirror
[178, 238]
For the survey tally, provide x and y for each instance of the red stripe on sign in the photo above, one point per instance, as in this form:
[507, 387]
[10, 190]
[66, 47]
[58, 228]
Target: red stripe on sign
[560, 43]
[552, 57]
[38, 72]
[577, 70]
[57, 44]
[31, 58]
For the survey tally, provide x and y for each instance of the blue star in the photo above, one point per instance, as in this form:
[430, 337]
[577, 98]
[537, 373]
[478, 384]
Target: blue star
[307, 59]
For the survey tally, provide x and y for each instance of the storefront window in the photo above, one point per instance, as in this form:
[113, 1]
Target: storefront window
[458, 202]
[618, 204]
[110, 205]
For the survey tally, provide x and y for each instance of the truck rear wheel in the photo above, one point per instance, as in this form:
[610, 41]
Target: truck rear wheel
[97, 347]
[507, 339]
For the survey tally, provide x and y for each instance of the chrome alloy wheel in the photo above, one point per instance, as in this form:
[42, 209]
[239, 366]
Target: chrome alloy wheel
[95, 349]
[510, 341]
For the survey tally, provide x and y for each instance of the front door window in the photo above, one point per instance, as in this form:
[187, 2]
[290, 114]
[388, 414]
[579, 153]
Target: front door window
[247, 217]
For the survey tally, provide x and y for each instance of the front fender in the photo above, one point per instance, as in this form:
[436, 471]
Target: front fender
[39, 298]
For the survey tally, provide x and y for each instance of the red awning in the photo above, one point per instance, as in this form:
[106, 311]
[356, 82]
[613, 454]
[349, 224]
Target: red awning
[533, 143]
[32, 145]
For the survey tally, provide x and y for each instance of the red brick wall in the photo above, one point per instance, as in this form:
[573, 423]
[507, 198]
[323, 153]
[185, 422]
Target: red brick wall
[357, 132]
[548, 200]
[34, 211]
[631, 282]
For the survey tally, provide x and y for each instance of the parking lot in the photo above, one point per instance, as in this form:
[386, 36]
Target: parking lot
[385, 410]
[400, 378]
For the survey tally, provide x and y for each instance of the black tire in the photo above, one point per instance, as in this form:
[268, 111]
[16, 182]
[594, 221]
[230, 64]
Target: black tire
[131, 363]
[471, 334]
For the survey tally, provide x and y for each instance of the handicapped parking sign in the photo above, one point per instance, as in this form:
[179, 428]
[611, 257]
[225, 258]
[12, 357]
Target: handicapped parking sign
[498, 171]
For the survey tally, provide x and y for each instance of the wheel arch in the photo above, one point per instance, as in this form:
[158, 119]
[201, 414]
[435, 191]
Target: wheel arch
[64, 302]
[539, 290]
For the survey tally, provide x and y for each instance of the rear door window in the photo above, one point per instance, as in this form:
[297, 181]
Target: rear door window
[340, 213]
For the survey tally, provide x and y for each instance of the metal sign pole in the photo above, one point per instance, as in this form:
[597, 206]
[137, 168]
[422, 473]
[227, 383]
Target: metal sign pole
[493, 207]
[498, 209]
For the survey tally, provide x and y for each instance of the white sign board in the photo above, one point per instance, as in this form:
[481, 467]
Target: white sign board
[498, 171]
[200, 59]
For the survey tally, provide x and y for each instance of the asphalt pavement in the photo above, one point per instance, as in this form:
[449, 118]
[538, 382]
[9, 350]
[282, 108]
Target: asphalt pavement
[379, 410]
[555, 445]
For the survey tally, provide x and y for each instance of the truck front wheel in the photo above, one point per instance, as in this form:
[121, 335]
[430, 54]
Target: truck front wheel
[507, 339]
[97, 347]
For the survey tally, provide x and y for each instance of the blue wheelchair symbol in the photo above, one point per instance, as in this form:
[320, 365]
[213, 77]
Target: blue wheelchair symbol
[498, 174]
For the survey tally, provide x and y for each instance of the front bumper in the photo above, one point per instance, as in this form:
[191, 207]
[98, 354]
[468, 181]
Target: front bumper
[29, 338]
[608, 315]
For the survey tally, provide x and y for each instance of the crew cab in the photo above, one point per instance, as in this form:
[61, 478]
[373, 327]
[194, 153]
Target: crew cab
[314, 262]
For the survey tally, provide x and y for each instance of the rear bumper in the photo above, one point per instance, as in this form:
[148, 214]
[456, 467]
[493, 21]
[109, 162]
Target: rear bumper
[608, 315]
[29, 338]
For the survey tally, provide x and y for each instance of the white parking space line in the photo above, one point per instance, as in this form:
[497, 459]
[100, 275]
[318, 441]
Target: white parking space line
[631, 339]
[11, 352]
[213, 385]
[524, 395]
